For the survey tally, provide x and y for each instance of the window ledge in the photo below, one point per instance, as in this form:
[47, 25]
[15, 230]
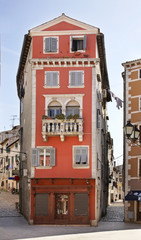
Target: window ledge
[51, 86]
[76, 86]
[81, 167]
[43, 167]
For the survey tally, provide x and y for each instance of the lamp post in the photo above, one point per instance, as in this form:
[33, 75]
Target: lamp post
[132, 132]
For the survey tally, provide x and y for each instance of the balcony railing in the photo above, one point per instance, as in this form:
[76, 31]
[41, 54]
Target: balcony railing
[62, 128]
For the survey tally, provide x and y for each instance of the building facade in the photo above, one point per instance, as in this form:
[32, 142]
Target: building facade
[62, 84]
[132, 152]
[9, 159]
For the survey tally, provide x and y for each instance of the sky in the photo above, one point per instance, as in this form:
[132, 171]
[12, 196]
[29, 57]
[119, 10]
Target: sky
[118, 20]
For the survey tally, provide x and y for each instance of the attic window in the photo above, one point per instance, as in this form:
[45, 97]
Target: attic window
[78, 43]
[50, 44]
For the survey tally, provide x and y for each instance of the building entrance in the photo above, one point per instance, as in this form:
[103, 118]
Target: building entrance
[62, 206]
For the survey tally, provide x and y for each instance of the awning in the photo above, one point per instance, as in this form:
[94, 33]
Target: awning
[133, 195]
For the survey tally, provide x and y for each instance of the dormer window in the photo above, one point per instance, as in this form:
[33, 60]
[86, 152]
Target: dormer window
[78, 43]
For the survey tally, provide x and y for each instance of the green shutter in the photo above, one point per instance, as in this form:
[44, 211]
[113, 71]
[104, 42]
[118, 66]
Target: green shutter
[35, 157]
[52, 157]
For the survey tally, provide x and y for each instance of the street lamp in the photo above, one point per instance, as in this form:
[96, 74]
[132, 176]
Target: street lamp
[132, 132]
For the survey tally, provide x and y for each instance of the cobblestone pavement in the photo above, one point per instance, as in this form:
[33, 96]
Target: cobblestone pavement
[115, 213]
[7, 204]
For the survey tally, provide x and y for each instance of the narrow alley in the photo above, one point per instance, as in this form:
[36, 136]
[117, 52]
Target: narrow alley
[115, 212]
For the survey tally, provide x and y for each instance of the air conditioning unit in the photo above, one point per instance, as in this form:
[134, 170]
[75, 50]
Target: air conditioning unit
[104, 93]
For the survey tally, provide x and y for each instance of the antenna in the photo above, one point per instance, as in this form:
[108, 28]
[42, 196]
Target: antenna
[14, 117]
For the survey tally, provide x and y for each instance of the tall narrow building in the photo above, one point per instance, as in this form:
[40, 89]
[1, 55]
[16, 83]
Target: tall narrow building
[62, 83]
[132, 147]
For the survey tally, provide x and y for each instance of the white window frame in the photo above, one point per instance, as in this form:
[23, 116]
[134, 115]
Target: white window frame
[43, 148]
[77, 86]
[51, 51]
[58, 85]
[139, 163]
[139, 103]
[81, 37]
[80, 166]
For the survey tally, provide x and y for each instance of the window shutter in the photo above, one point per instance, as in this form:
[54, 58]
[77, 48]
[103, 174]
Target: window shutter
[52, 157]
[48, 79]
[77, 155]
[79, 78]
[47, 44]
[72, 79]
[98, 118]
[53, 44]
[55, 77]
[35, 157]
[71, 42]
[84, 153]
[81, 204]
[84, 42]
[139, 167]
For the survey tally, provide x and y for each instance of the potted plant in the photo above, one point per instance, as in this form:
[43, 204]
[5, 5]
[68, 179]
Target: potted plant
[60, 116]
[44, 116]
[69, 117]
[75, 116]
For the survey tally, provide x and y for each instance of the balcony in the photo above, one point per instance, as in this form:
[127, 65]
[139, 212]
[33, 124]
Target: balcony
[62, 128]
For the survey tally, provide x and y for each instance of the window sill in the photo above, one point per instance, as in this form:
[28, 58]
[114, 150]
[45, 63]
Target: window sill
[50, 52]
[76, 86]
[51, 86]
[81, 167]
[43, 167]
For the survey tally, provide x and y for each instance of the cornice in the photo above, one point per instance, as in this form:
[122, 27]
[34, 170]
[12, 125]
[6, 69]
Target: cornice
[64, 62]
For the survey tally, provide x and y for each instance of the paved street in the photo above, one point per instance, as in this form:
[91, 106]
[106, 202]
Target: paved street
[13, 226]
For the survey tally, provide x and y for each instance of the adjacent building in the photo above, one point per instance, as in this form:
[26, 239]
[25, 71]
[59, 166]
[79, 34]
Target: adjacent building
[9, 159]
[62, 84]
[132, 152]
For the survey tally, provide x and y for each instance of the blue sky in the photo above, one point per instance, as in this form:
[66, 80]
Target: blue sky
[119, 20]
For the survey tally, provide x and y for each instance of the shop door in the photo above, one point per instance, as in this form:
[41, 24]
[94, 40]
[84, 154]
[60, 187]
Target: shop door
[139, 210]
[62, 207]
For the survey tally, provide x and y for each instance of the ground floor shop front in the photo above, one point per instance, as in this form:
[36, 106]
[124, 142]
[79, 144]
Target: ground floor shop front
[133, 206]
[63, 201]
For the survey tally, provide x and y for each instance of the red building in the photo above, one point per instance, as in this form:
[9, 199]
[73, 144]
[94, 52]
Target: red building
[62, 84]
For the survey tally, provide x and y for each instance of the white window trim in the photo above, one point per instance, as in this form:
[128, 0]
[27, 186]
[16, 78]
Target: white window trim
[139, 167]
[57, 45]
[79, 86]
[44, 167]
[58, 86]
[79, 37]
[73, 163]
[139, 103]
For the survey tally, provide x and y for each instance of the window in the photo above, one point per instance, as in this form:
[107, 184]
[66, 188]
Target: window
[43, 157]
[53, 111]
[139, 103]
[78, 43]
[50, 44]
[139, 167]
[51, 79]
[81, 204]
[16, 145]
[76, 78]
[81, 158]
[139, 73]
[98, 118]
[72, 110]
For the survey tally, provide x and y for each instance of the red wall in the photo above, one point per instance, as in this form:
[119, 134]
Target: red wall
[64, 149]
[64, 47]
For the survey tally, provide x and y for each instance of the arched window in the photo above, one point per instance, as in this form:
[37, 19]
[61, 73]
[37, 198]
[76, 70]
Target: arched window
[72, 108]
[54, 109]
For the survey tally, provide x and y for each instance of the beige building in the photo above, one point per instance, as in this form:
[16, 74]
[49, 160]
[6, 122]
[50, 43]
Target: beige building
[132, 149]
[9, 159]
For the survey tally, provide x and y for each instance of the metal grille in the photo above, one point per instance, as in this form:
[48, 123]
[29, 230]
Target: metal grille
[41, 204]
